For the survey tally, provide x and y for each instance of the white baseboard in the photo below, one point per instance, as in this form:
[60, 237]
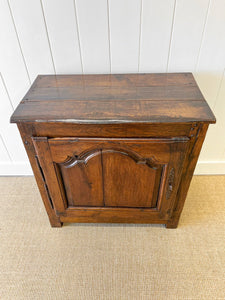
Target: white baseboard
[24, 169]
[210, 168]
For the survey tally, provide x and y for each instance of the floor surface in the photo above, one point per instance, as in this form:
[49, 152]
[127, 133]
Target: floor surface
[112, 262]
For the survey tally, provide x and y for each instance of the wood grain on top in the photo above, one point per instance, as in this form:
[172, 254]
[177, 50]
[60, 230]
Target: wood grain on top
[118, 98]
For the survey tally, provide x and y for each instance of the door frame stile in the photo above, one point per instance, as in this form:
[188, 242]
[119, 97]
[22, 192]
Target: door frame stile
[44, 156]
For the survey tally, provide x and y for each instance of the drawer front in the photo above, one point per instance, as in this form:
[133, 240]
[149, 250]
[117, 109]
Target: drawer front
[112, 172]
[126, 130]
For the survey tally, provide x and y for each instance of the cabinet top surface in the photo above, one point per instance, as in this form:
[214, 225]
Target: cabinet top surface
[116, 98]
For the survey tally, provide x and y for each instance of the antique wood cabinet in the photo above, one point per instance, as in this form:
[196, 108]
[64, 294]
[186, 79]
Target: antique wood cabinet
[113, 148]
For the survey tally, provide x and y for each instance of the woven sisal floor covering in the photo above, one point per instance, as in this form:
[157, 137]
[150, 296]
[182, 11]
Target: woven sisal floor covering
[111, 262]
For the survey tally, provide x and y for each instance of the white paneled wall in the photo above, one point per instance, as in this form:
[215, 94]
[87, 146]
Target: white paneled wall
[111, 36]
[63, 35]
[124, 34]
[155, 35]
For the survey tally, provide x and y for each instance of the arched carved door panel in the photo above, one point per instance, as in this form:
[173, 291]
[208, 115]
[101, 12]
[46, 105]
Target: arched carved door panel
[113, 178]
[128, 181]
[112, 173]
[82, 180]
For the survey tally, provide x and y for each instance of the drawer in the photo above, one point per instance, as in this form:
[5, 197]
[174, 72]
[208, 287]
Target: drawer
[112, 173]
[125, 130]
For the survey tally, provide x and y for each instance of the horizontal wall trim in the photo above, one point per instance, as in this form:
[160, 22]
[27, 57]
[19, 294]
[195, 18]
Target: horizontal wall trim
[210, 168]
[24, 169]
[15, 169]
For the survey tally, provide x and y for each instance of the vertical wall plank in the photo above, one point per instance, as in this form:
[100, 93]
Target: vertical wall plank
[63, 35]
[220, 112]
[102, 36]
[157, 17]
[9, 132]
[12, 65]
[124, 22]
[212, 59]
[33, 38]
[214, 146]
[189, 21]
[209, 75]
[93, 31]
[4, 157]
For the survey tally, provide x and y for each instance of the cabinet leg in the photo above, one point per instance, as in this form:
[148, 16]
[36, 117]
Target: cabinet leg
[55, 222]
[172, 224]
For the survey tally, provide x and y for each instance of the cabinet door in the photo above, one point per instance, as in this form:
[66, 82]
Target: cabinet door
[129, 179]
[112, 173]
[82, 179]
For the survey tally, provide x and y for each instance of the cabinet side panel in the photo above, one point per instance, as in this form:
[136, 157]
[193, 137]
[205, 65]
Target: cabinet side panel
[195, 146]
[26, 132]
[47, 165]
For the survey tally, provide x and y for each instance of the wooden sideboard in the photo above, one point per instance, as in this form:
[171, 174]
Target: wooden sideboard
[116, 148]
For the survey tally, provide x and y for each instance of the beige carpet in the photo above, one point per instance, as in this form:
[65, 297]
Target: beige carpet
[85, 261]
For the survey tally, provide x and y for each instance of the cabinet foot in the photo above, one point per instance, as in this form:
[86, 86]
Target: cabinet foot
[173, 223]
[59, 224]
[55, 222]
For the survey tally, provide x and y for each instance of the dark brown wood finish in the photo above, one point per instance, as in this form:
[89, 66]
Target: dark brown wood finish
[114, 148]
[82, 179]
[109, 99]
[129, 181]
[26, 132]
[195, 146]
[124, 172]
